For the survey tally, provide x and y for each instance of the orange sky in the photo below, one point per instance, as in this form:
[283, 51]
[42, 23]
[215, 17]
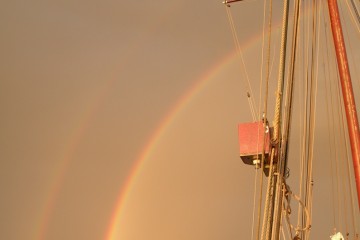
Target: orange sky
[84, 87]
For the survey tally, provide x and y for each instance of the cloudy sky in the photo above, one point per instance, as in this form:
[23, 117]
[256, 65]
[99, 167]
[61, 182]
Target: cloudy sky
[119, 120]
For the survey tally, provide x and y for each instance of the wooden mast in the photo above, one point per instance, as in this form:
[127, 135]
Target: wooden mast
[347, 91]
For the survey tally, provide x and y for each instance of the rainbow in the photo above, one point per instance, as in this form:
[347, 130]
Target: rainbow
[147, 150]
[163, 126]
[59, 172]
[154, 140]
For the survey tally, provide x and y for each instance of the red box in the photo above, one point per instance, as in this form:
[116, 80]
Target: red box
[251, 139]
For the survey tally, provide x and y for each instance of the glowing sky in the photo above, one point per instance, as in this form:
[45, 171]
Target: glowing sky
[90, 89]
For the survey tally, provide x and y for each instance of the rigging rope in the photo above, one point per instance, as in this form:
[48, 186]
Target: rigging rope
[345, 201]
[262, 164]
[254, 203]
[352, 15]
[344, 152]
[289, 88]
[349, 181]
[268, 205]
[327, 94]
[239, 51]
[277, 124]
[305, 211]
[273, 186]
[281, 73]
[352, 196]
[354, 67]
[336, 157]
[306, 116]
[314, 96]
[302, 121]
[341, 152]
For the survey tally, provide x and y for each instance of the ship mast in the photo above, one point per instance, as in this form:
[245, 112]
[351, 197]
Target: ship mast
[275, 192]
[347, 90]
[275, 153]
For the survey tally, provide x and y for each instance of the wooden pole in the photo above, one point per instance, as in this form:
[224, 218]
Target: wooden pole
[347, 91]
